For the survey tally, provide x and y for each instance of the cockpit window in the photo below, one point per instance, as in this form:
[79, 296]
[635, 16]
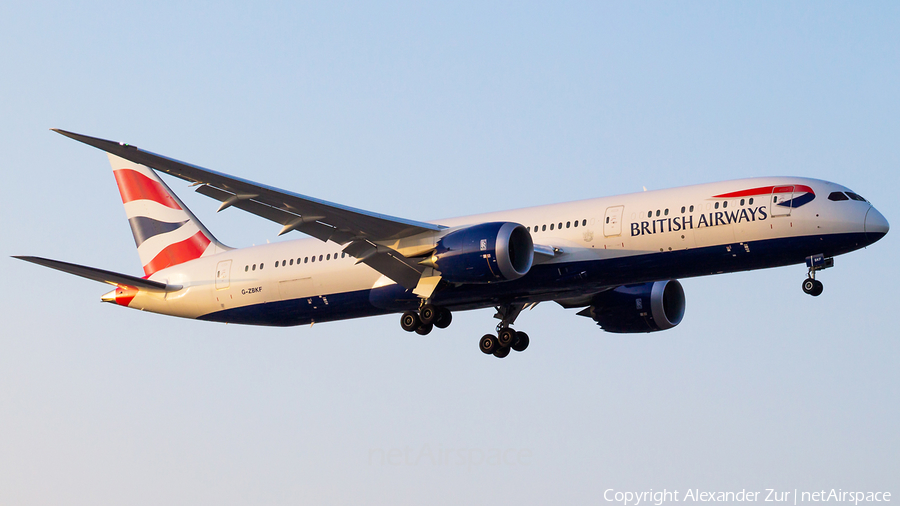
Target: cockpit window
[835, 196]
[856, 197]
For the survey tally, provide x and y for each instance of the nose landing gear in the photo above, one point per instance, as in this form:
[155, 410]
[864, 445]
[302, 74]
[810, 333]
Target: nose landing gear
[811, 285]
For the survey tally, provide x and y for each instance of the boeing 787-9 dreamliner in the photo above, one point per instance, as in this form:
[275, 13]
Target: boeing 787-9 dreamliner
[619, 258]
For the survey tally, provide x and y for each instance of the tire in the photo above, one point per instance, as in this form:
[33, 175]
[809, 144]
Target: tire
[506, 337]
[521, 341]
[809, 285]
[410, 321]
[488, 344]
[424, 329]
[817, 290]
[501, 352]
[428, 314]
[444, 318]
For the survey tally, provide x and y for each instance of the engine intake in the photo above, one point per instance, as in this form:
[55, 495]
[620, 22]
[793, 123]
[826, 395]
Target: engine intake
[484, 253]
[647, 307]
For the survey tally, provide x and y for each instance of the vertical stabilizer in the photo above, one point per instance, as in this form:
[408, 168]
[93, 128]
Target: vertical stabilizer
[166, 232]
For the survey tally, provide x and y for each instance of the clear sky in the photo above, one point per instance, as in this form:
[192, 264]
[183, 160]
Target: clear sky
[426, 111]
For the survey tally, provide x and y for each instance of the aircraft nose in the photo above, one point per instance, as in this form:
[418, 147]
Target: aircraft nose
[876, 225]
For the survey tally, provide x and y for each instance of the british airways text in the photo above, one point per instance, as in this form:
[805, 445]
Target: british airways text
[705, 220]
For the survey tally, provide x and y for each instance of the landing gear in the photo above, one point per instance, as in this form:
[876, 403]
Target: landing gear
[426, 319]
[507, 338]
[811, 285]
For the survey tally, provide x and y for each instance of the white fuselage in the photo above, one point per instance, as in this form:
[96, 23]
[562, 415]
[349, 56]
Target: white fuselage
[652, 228]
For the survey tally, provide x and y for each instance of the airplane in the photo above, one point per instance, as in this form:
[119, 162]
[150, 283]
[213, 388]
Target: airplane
[617, 258]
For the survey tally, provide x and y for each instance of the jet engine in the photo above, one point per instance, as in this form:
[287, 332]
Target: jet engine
[484, 253]
[646, 307]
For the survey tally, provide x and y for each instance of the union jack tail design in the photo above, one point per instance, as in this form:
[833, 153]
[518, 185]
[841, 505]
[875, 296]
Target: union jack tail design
[166, 233]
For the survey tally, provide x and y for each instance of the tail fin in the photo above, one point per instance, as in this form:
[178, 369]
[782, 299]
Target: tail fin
[166, 232]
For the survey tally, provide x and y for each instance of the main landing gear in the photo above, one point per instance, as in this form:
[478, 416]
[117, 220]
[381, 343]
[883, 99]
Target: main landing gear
[426, 319]
[506, 338]
[811, 285]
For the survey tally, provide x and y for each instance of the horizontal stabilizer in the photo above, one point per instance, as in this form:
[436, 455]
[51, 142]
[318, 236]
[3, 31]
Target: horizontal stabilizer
[113, 278]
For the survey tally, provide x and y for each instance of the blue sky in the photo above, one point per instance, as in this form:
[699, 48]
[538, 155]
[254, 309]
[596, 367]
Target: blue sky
[427, 111]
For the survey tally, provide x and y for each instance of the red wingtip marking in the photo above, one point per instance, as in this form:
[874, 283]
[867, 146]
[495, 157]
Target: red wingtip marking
[135, 186]
[178, 253]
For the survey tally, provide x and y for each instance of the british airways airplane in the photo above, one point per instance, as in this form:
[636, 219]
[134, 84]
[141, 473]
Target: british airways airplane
[618, 257]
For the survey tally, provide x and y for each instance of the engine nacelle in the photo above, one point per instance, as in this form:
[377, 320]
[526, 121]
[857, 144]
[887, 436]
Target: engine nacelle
[646, 307]
[485, 253]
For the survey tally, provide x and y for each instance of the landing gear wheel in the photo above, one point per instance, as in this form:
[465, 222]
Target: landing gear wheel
[817, 289]
[444, 318]
[501, 352]
[488, 344]
[521, 341]
[506, 337]
[809, 285]
[428, 314]
[410, 321]
[424, 329]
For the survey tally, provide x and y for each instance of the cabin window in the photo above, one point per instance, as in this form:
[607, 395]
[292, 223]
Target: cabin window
[568, 224]
[283, 263]
[261, 265]
[576, 223]
[551, 226]
[320, 258]
[692, 209]
[313, 258]
[254, 267]
[528, 229]
[682, 209]
[342, 254]
[751, 201]
[583, 223]
[725, 204]
[607, 219]
[649, 214]
[717, 205]
[276, 263]
[328, 257]
[666, 212]
[292, 261]
[559, 226]
[246, 268]
[543, 228]
[742, 201]
[305, 259]
[657, 212]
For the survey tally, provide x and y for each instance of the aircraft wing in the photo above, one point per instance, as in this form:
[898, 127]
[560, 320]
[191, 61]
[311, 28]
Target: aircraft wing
[112, 278]
[318, 218]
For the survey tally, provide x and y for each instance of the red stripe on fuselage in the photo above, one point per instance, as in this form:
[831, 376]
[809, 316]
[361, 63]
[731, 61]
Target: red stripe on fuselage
[765, 190]
[135, 186]
[125, 294]
[178, 253]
